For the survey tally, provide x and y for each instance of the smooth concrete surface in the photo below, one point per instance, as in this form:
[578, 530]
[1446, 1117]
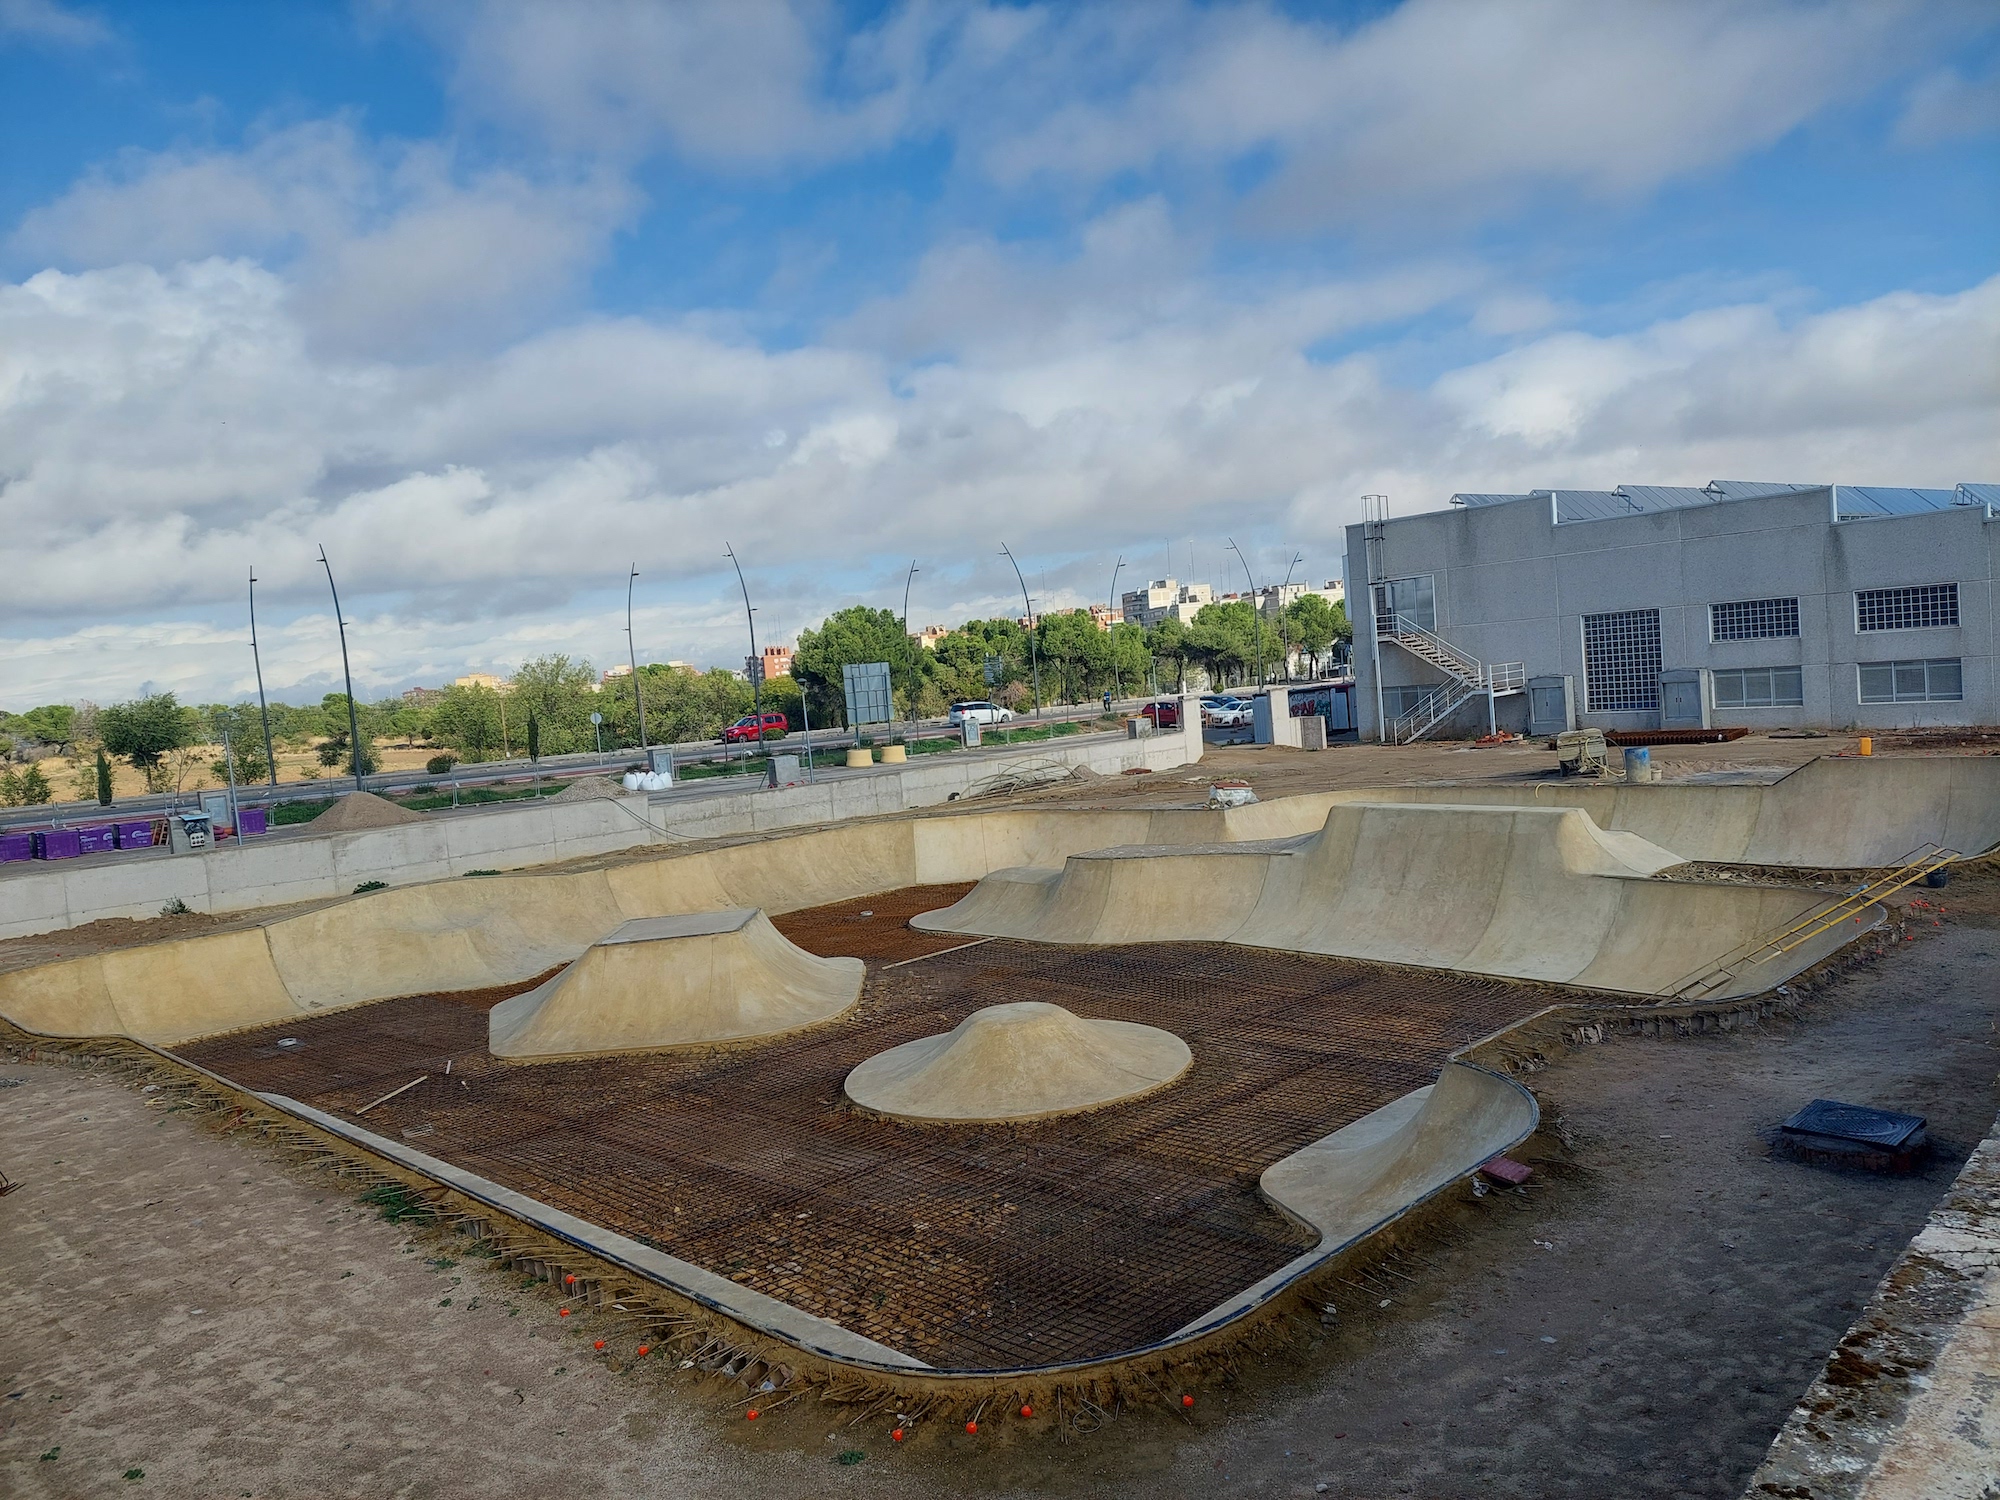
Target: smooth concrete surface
[1351, 1183]
[679, 981]
[755, 1310]
[301, 867]
[474, 934]
[1025, 1060]
[1519, 892]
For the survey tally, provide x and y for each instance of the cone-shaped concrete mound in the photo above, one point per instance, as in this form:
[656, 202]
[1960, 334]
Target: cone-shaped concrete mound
[725, 976]
[1018, 1062]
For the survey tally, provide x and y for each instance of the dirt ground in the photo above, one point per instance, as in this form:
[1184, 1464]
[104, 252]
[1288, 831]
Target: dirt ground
[1637, 1321]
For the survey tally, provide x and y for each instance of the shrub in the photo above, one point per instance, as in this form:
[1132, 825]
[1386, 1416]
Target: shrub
[440, 765]
[371, 885]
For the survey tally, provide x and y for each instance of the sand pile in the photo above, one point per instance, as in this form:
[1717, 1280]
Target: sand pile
[1019, 1061]
[590, 789]
[359, 810]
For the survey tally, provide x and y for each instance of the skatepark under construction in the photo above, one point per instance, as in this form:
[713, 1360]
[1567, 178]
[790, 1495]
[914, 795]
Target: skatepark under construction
[987, 1096]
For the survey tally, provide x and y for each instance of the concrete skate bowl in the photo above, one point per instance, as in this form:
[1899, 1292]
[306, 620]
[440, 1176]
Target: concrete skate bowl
[1520, 892]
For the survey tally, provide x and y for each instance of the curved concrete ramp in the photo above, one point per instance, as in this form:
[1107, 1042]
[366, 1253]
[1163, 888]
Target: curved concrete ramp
[1022, 1061]
[1351, 1183]
[685, 981]
[1524, 893]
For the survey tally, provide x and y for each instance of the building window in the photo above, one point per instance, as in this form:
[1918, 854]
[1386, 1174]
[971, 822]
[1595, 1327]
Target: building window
[1753, 619]
[1920, 608]
[1940, 680]
[1758, 687]
[1412, 599]
[1621, 661]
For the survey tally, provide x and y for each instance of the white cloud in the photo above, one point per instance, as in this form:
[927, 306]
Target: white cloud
[389, 248]
[47, 22]
[1948, 106]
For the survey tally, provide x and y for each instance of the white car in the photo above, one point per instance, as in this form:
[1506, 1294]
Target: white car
[1226, 713]
[978, 711]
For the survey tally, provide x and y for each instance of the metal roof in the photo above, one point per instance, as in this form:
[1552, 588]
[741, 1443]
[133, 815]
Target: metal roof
[1856, 502]
[1860, 501]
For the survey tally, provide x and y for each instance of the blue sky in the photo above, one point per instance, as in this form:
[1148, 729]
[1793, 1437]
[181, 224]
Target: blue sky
[496, 299]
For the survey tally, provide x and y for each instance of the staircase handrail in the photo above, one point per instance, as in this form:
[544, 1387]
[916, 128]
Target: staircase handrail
[1462, 663]
[1430, 709]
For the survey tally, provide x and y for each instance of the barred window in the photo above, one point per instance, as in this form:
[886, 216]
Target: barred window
[1918, 608]
[1759, 687]
[1939, 680]
[1621, 661]
[1753, 619]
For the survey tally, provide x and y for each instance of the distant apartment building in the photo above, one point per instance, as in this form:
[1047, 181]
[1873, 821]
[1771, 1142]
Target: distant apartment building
[776, 661]
[1766, 605]
[930, 635]
[422, 697]
[1103, 616]
[1164, 597]
[482, 680]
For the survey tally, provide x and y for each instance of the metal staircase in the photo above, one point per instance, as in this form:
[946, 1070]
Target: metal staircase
[1885, 882]
[1466, 678]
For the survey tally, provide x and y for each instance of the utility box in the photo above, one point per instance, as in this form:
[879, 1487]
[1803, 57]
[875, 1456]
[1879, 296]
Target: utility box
[1551, 706]
[660, 762]
[1684, 698]
[1312, 732]
[1137, 728]
[968, 730]
[190, 832]
[784, 771]
[1271, 718]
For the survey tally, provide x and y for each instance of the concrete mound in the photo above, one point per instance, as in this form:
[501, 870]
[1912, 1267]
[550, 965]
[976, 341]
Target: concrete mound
[358, 810]
[1022, 1061]
[685, 981]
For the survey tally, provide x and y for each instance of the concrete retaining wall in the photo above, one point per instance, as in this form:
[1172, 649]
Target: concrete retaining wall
[48, 898]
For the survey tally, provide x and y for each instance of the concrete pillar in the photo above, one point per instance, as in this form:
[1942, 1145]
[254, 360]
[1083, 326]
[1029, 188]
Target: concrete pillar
[1271, 718]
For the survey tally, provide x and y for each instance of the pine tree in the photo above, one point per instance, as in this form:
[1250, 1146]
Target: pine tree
[103, 779]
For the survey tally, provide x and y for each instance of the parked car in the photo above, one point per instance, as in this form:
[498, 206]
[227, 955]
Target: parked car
[1228, 713]
[756, 727]
[978, 711]
[1164, 712]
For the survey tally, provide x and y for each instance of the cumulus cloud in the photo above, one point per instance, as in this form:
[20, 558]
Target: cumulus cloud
[1946, 106]
[389, 248]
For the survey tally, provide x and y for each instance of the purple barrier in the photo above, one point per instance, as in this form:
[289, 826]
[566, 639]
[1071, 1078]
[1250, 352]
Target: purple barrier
[16, 846]
[254, 820]
[97, 840]
[135, 835]
[58, 843]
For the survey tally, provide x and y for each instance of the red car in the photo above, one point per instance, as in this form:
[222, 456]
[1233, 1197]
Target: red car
[756, 727]
[1165, 713]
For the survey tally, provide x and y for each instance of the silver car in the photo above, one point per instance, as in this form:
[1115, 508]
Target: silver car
[978, 711]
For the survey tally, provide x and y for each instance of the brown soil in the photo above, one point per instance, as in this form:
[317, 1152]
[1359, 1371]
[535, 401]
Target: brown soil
[358, 810]
[589, 789]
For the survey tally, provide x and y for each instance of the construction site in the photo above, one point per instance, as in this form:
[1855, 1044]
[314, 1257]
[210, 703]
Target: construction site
[1388, 1120]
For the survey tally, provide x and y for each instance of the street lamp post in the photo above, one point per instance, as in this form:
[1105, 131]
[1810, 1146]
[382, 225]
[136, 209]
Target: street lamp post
[756, 662]
[1284, 626]
[1034, 652]
[263, 708]
[907, 581]
[1256, 609]
[353, 718]
[632, 655]
[1111, 629]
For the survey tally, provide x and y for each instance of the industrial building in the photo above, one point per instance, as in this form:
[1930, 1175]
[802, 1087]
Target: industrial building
[1824, 606]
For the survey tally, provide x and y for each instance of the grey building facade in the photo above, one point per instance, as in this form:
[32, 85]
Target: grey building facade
[1765, 605]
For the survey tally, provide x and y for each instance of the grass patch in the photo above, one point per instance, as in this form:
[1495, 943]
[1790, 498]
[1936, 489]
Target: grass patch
[1024, 736]
[470, 873]
[287, 813]
[474, 796]
[395, 1203]
[706, 769]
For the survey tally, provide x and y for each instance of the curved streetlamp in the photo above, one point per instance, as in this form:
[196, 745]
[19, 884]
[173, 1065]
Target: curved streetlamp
[756, 662]
[263, 708]
[1034, 653]
[1284, 627]
[353, 719]
[1256, 611]
[632, 654]
[1110, 628]
[907, 581]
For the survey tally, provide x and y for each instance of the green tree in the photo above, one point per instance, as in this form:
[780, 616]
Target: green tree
[146, 730]
[103, 778]
[28, 788]
[467, 718]
[1076, 652]
[534, 736]
[1312, 625]
[554, 693]
[51, 724]
[850, 637]
[333, 754]
[1167, 644]
[1224, 638]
